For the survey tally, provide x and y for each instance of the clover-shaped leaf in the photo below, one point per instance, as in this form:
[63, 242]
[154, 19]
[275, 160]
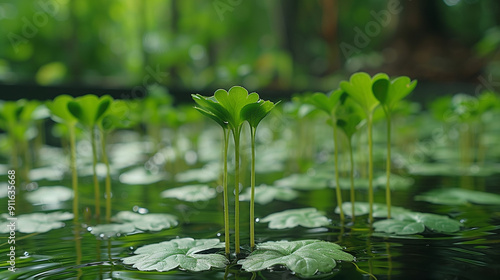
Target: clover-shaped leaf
[128, 222]
[454, 196]
[191, 193]
[325, 103]
[390, 92]
[209, 107]
[415, 222]
[59, 109]
[89, 109]
[306, 217]
[233, 101]
[255, 112]
[305, 257]
[184, 253]
[265, 194]
[359, 88]
[35, 222]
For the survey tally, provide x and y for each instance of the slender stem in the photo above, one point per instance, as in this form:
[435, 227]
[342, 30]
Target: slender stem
[236, 134]
[388, 167]
[370, 166]
[224, 185]
[108, 176]
[252, 192]
[96, 181]
[336, 155]
[74, 172]
[351, 175]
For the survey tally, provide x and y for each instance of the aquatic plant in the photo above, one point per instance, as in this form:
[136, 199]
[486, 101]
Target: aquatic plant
[389, 93]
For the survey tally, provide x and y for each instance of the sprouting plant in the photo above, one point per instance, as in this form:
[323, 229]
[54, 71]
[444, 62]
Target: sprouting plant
[60, 113]
[388, 93]
[359, 88]
[16, 117]
[329, 104]
[113, 118]
[254, 113]
[349, 120]
[88, 110]
[212, 109]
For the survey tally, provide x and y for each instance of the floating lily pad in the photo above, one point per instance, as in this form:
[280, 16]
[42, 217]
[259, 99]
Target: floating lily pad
[363, 208]
[305, 257]
[306, 217]
[140, 176]
[46, 173]
[128, 222]
[35, 222]
[191, 193]
[453, 196]
[452, 169]
[414, 222]
[184, 253]
[3, 190]
[208, 173]
[50, 195]
[302, 182]
[265, 194]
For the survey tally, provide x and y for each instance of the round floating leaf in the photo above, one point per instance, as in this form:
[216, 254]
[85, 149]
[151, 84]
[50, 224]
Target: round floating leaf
[408, 223]
[191, 193]
[363, 208]
[140, 176]
[265, 194]
[302, 182]
[305, 257]
[50, 195]
[184, 253]
[454, 196]
[208, 173]
[306, 217]
[399, 227]
[36, 222]
[128, 222]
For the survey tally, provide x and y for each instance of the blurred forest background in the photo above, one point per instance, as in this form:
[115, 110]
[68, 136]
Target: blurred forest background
[122, 47]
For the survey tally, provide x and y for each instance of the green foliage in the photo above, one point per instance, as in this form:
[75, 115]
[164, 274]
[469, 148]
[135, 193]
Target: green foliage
[36, 222]
[304, 257]
[265, 194]
[389, 93]
[326, 103]
[49, 195]
[89, 109]
[255, 112]
[233, 101]
[305, 217]
[414, 222]
[128, 222]
[454, 196]
[16, 117]
[359, 88]
[59, 109]
[183, 253]
[191, 193]
[209, 107]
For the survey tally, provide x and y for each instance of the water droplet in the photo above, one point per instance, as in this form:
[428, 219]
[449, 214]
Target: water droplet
[89, 229]
[143, 211]
[218, 234]
[131, 248]
[257, 220]
[101, 235]
[26, 254]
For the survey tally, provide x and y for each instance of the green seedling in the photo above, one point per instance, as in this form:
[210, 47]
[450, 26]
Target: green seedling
[60, 113]
[329, 105]
[359, 88]
[389, 93]
[349, 121]
[89, 110]
[254, 113]
[209, 107]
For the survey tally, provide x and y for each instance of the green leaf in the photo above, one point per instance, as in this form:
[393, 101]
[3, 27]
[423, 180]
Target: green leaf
[390, 92]
[399, 227]
[302, 182]
[89, 109]
[415, 222]
[325, 103]
[363, 208]
[233, 101]
[359, 88]
[36, 222]
[128, 222]
[212, 109]
[305, 257]
[184, 253]
[454, 196]
[49, 195]
[191, 193]
[140, 176]
[265, 194]
[255, 112]
[208, 173]
[306, 217]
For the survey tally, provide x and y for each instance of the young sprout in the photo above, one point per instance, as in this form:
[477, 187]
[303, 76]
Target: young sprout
[329, 104]
[60, 113]
[210, 108]
[359, 89]
[349, 120]
[389, 93]
[254, 113]
[88, 110]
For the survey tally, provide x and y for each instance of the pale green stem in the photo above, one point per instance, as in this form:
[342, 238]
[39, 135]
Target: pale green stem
[252, 192]
[388, 167]
[96, 181]
[108, 176]
[370, 166]
[351, 175]
[336, 155]
[236, 134]
[74, 172]
[225, 194]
